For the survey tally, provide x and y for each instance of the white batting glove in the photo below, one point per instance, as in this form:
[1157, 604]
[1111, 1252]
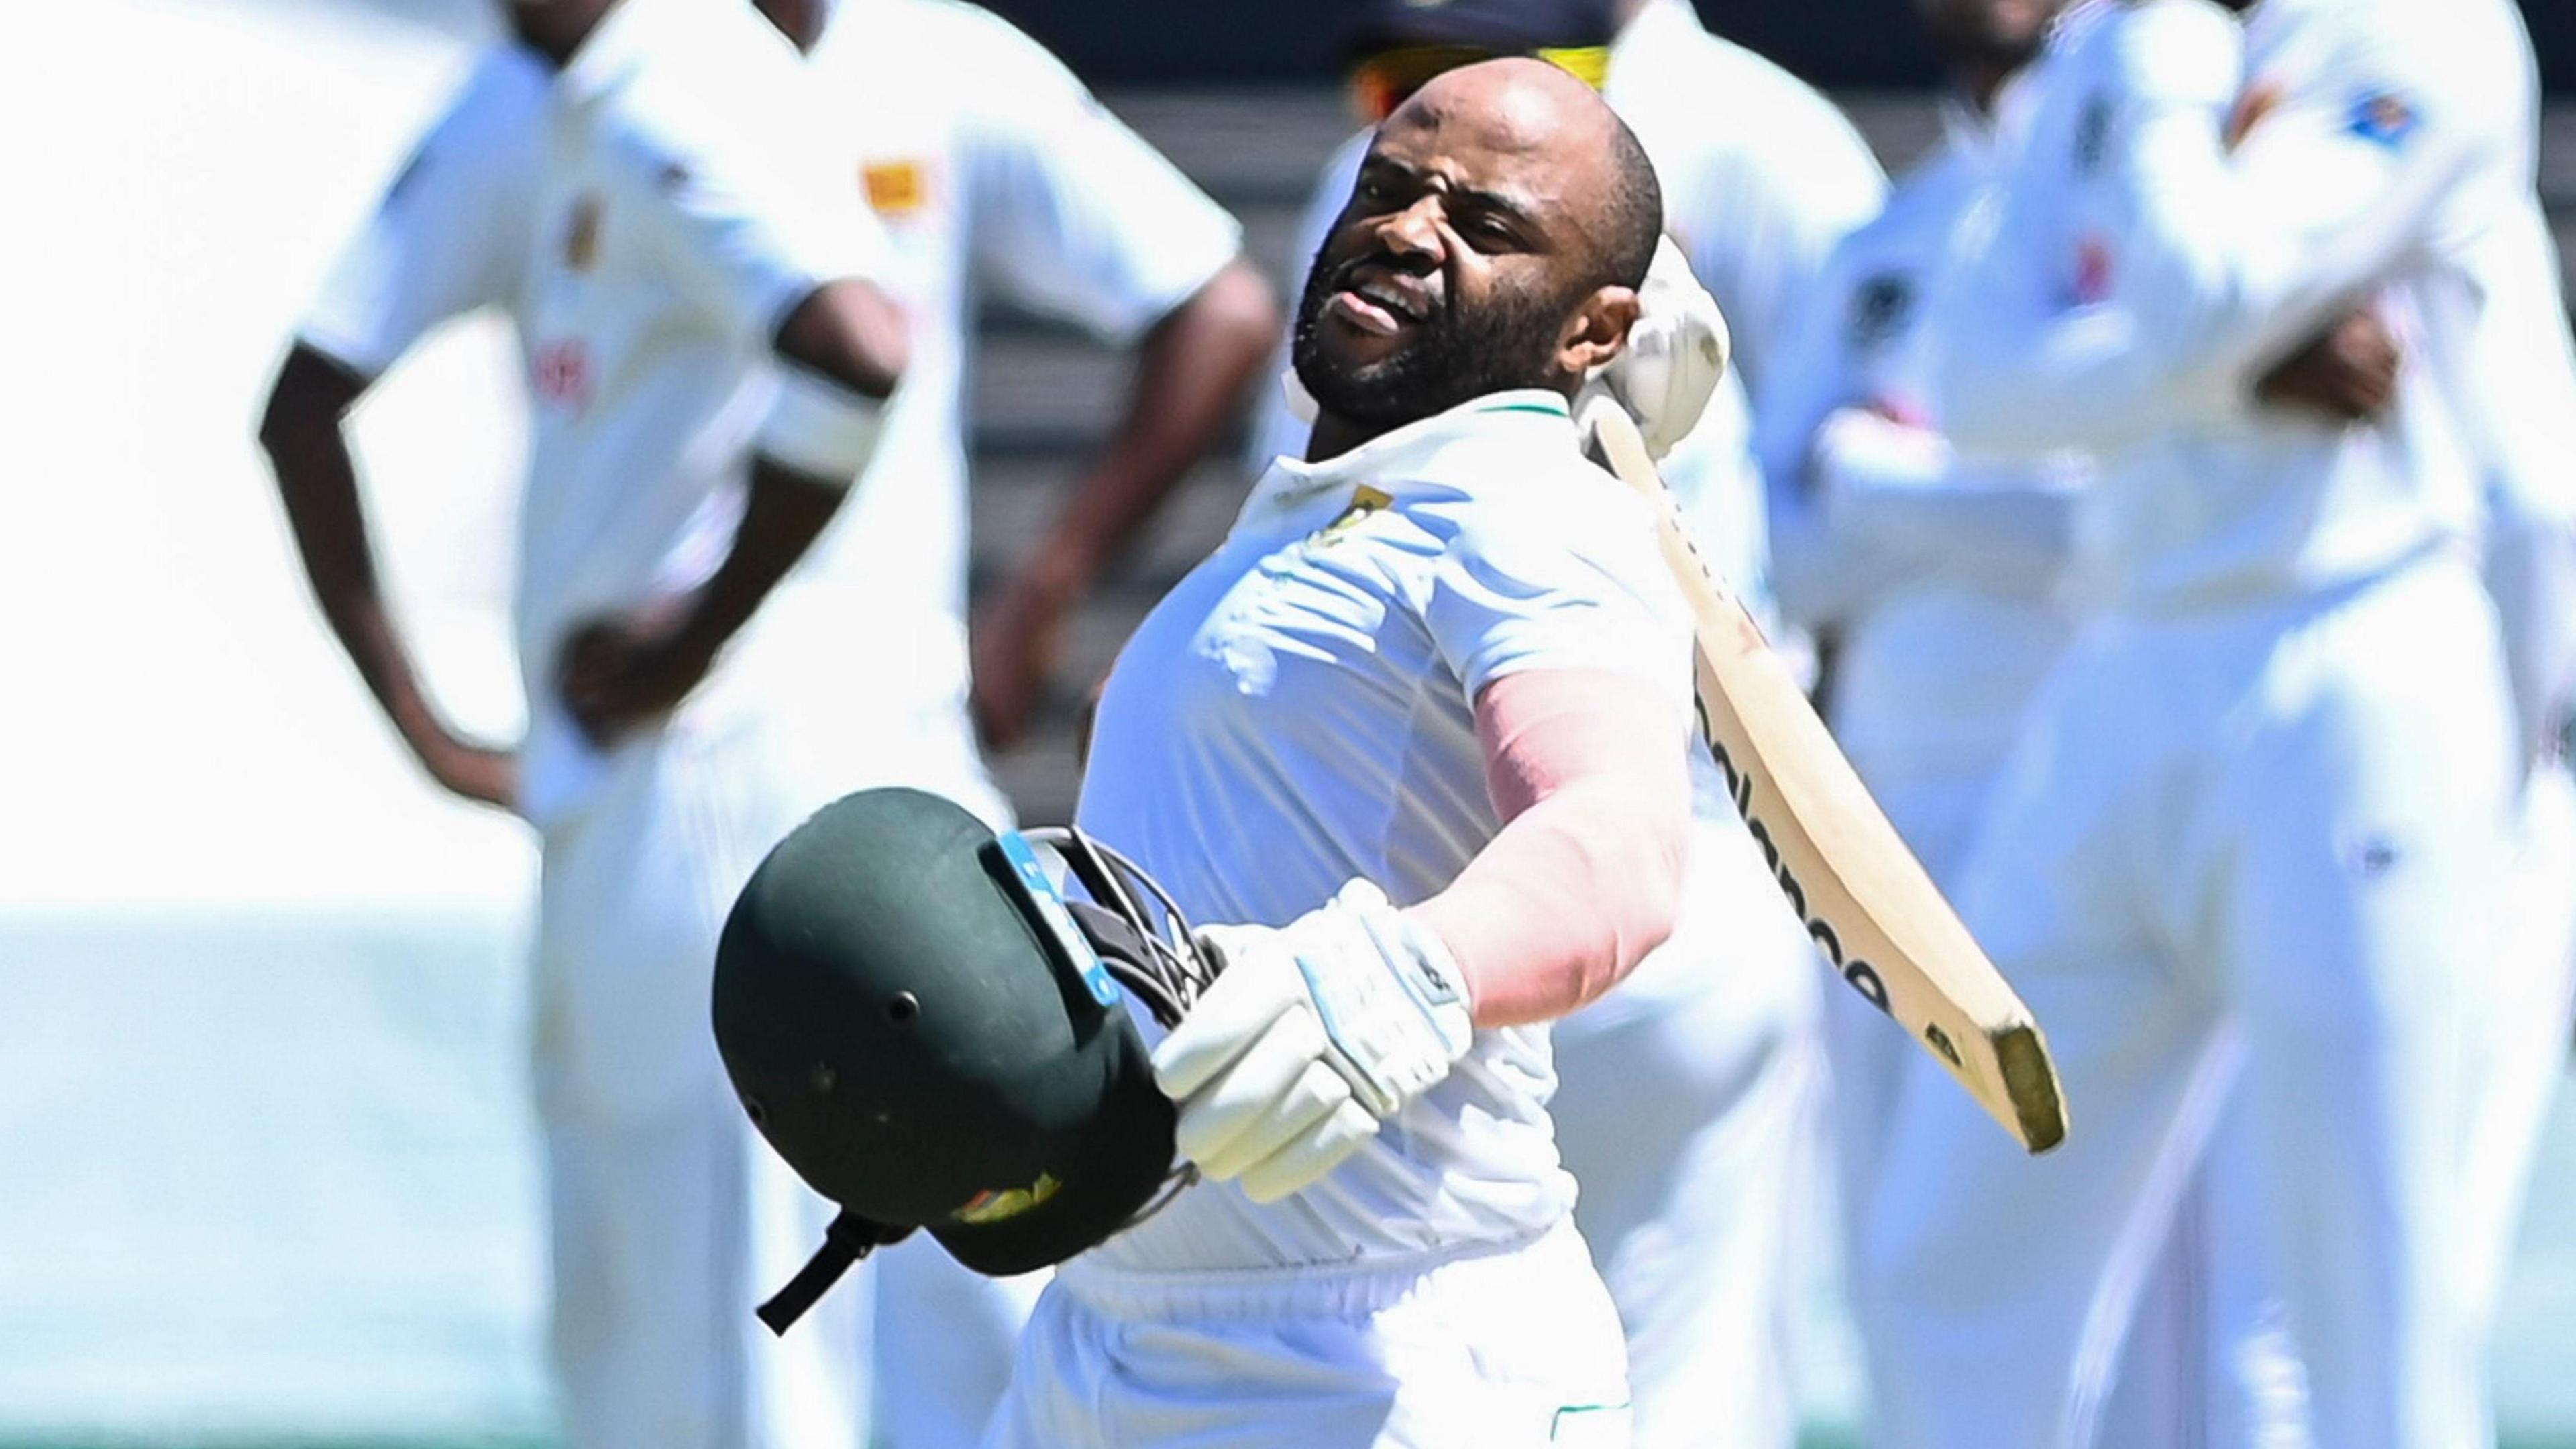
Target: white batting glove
[1312, 1036]
[1676, 354]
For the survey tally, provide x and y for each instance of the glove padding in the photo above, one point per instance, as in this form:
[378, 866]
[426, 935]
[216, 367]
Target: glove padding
[1676, 355]
[1312, 1036]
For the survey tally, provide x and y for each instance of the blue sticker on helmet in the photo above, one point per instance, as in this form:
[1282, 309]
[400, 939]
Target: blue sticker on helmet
[1058, 921]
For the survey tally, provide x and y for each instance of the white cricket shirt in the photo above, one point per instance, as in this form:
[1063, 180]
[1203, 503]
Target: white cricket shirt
[995, 174]
[1762, 175]
[1299, 711]
[649, 215]
[2140, 275]
[1950, 578]
[694, 195]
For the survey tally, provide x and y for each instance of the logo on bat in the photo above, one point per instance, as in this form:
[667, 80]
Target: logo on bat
[1858, 974]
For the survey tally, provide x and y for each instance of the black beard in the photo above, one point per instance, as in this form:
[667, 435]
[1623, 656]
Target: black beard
[1452, 358]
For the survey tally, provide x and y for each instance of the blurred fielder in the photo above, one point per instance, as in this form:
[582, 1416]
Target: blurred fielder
[2258, 851]
[1691, 1100]
[649, 189]
[1948, 580]
[1420, 728]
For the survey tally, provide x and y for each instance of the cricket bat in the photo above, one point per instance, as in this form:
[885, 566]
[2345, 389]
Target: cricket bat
[1861, 894]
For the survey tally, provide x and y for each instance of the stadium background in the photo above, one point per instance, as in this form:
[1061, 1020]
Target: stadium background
[265, 1173]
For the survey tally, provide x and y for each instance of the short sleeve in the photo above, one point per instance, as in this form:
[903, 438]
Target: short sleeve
[1574, 579]
[450, 234]
[756, 200]
[1072, 213]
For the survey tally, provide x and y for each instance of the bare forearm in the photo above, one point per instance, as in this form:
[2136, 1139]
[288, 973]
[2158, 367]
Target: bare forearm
[783, 516]
[1587, 771]
[1565, 902]
[317, 482]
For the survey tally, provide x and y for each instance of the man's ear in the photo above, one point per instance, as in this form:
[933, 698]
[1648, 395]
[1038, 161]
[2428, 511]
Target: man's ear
[1596, 332]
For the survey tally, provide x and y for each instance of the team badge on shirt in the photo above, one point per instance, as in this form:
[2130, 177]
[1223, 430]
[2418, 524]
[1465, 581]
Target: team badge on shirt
[2383, 118]
[2091, 285]
[1364, 501]
[1880, 310]
[895, 188]
[581, 233]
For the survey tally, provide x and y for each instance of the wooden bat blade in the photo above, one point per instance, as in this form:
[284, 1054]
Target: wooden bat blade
[1863, 897]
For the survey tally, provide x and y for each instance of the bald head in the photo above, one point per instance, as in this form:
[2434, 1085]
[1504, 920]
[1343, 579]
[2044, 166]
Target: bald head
[1501, 223]
[1569, 135]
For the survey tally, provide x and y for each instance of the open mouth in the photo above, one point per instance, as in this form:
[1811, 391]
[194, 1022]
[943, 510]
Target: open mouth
[1375, 300]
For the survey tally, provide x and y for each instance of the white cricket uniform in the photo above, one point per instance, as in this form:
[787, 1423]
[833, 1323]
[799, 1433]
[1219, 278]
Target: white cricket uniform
[1296, 713]
[2487, 332]
[1691, 1104]
[1949, 580]
[995, 173]
[2259, 833]
[648, 216]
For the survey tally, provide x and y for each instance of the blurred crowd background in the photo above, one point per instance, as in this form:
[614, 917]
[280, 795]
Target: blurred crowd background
[266, 1166]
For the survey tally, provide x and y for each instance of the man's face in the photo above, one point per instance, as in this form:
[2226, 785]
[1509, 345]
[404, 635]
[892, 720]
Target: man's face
[1997, 34]
[1454, 269]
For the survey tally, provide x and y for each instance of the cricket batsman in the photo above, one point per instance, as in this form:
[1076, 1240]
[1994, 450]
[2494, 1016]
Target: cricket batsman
[1418, 734]
[1419, 730]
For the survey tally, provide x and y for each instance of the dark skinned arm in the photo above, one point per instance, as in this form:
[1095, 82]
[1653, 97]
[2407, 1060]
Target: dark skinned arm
[2347, 373]
[318, 482]
[619, 672]
[1190, 376]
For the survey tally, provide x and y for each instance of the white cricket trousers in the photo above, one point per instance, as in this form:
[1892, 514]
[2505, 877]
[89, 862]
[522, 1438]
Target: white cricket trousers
[1872, 1062]
[2209, 1363]
[1690, 1109]
[2256, 853]
[671, 1220]
[1494, 1349]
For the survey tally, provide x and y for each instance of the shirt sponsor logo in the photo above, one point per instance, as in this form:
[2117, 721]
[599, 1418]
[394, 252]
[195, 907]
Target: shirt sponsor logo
[896, 188]
[1855, 972]
[2383, 118]
[581, 233]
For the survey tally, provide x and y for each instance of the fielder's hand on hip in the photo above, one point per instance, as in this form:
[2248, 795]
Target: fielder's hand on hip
[1312, 1036]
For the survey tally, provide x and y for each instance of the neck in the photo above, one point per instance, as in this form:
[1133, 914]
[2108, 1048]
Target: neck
[1981, 84]
[1335, 435]
[557, 30]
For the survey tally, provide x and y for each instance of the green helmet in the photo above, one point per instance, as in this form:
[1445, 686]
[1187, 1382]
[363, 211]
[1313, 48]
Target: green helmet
[933, 1037]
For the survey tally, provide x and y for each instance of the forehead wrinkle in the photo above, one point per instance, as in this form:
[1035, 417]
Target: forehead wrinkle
[1427, 155]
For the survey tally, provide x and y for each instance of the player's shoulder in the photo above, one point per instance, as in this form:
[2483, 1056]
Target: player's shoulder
[506, 84]
[709, 68]
[716, 91]
[1740, 82]
[1728, 127]
[497, 107]
[1523, 498]
[2183, 48]
[1924, 203]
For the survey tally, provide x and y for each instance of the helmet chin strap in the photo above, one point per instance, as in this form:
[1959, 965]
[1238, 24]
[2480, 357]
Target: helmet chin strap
[845, 1242]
